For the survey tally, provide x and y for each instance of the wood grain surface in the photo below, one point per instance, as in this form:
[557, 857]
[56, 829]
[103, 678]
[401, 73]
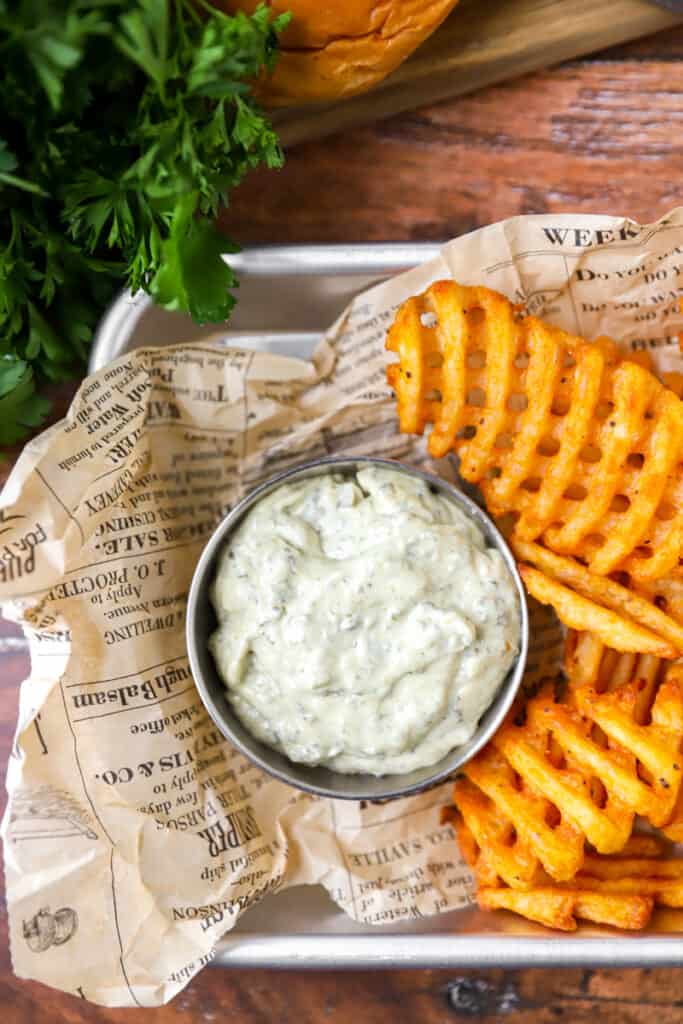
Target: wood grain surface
[481, 44]
[599, 135]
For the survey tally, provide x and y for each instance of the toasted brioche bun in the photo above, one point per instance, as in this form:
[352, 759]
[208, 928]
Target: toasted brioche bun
[338, 48]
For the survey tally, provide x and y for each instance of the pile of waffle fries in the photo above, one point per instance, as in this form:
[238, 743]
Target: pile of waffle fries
[577, 450]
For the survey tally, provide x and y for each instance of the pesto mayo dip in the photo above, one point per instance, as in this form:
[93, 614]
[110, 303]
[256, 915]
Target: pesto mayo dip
[364, 625]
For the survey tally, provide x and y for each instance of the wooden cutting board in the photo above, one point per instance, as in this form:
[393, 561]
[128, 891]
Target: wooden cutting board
[481, 43]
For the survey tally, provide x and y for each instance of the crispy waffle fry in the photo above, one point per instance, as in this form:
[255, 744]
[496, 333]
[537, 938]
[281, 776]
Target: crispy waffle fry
[591, 666]
[559, 908]
[624, 620]
[585, 659]
[656, 746]
[579, 769]
[618, 526]
[617, 890]
[563, 771]
[666, 593]
[582, 446]
[558, 844]
[611, 868]
[641, 846]
[580, 613]
[673, 827]
[666, 892]
[579, 450]
[498, 851]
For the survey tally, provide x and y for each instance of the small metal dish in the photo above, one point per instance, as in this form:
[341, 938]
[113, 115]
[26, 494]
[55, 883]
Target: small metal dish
[201, 622]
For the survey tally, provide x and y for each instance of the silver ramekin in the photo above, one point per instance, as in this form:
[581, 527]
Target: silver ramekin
[201, 622]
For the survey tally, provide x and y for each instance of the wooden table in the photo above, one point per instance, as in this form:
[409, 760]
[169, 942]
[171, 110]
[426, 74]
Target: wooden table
[603, 135]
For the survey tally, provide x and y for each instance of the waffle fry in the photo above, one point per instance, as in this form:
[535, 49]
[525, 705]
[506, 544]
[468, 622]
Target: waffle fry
[555, 754]
[618, 868]
[581, 446]
[579, 613]
[666, 892]
[656, 747]
[577, 451]
[641, 846]
[589, 663]
[579, 770]
[558, 908]
[666, 593]
[619, 890]
[624, 620]
[558, 845]
[490, 843]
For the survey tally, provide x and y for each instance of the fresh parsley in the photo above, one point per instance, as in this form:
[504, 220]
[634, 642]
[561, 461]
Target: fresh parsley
[124, 124]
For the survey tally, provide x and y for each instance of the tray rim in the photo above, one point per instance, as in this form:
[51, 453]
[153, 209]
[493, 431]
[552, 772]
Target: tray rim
[454, 951]
[376, 259]
[382, 950]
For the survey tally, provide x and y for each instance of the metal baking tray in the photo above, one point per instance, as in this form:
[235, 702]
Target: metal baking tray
[287, 296]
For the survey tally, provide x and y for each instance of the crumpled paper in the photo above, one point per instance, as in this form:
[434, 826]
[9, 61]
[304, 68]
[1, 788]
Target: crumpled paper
[135, 836]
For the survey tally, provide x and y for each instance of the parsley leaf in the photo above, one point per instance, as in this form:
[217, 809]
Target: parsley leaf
[123, 128]
[20, 407]
[187, 279]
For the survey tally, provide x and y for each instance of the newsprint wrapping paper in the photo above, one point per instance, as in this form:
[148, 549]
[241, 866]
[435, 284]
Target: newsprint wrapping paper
[135, 836]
